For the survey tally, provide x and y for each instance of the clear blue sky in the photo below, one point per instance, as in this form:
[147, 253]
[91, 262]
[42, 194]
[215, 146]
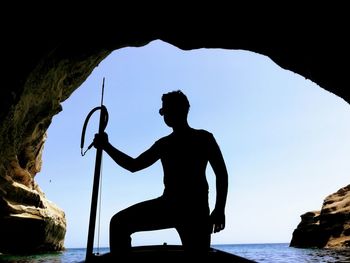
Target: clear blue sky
[285, 140]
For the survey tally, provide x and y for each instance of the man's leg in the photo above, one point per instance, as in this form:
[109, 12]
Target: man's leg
[144, 216]
[195, 233]
[195, 240]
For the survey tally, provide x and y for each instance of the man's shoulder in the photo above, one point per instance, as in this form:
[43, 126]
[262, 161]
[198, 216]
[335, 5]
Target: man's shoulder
[163, 139]
[198, 133]
[203, 132]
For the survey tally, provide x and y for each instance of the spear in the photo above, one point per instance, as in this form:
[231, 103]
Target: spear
[102, 125]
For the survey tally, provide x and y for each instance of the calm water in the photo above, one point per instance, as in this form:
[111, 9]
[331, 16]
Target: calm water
[272, 253]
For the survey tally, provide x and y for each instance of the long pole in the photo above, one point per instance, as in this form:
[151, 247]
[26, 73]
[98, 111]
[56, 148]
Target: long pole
[94, 198]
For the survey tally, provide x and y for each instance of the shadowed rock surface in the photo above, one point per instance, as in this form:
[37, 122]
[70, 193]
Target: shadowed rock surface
[50, 64]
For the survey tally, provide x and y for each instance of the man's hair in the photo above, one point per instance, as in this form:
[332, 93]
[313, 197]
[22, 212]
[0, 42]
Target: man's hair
[176, 100]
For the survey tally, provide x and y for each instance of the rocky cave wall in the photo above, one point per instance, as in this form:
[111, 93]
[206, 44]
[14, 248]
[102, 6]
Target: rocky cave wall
[36, 223]
[50, 68]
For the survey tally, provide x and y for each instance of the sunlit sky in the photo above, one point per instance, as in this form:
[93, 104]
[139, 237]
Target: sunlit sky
[285, 140]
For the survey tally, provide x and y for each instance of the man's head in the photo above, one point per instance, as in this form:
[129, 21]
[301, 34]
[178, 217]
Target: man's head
[175, 101]
[175, 107]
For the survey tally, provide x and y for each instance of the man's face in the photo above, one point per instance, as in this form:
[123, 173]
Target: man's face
[172, 115]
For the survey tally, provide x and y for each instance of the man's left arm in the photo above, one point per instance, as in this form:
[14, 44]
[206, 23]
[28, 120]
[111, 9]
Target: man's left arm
[219, 167]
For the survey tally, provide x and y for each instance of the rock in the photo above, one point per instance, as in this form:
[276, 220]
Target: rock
[28, 221]
[329, 227]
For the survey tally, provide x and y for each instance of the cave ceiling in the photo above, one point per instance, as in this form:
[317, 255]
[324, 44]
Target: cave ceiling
[320, 55]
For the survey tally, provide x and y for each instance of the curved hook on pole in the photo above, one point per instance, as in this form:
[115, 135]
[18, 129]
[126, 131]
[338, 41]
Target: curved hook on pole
[103, 124]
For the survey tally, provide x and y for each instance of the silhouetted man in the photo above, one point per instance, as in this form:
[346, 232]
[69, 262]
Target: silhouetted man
[184, 155]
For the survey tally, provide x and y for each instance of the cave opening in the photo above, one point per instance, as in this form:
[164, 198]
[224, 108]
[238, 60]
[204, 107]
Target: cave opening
[284, 139]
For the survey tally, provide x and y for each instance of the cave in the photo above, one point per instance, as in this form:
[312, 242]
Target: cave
[46, 70]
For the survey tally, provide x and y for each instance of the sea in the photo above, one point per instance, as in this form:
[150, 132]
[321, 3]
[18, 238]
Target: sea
[271, 253]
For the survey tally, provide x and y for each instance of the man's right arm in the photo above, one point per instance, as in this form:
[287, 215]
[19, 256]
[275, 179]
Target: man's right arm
[131, 164]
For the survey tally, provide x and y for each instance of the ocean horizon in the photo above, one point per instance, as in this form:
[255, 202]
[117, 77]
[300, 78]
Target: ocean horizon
[265, 252]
